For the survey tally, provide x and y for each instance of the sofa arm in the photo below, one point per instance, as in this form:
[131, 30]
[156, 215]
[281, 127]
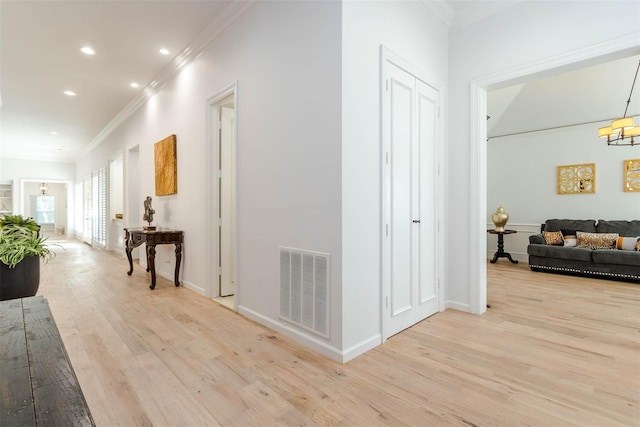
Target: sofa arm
[536, 239]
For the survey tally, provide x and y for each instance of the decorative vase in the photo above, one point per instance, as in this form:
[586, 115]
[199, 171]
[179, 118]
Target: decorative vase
[500, 218]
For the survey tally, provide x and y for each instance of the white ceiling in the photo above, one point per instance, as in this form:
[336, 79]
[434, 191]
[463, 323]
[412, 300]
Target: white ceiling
[40, 58]
[588, 95]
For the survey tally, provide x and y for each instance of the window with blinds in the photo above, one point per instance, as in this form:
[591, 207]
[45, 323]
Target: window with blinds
[99, 187]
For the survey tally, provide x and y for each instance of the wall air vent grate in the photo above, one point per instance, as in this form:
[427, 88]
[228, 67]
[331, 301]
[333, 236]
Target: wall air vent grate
[304, 289]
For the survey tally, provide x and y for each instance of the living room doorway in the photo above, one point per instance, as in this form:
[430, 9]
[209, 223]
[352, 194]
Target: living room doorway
[478, 178]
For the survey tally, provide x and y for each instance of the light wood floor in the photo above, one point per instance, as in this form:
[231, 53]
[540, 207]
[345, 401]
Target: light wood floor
[552, 351]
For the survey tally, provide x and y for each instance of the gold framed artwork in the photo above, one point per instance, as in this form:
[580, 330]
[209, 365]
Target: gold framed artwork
[632, 176]
[576, 179]
[166, 166]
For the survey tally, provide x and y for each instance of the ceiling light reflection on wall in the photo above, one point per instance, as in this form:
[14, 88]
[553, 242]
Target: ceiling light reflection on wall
[164, 51]
[87, 50]
[69, 93]
[53, 132]
[134, 85]
[622, 131]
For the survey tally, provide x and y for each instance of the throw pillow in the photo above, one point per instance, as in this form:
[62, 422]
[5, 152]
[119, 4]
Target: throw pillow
[638, 245]
[570, 241]
[627, 243]
[596, 240]
[569, 233]
[553, 238]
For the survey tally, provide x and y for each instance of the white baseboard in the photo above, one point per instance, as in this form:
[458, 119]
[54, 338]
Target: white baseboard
[361, 348]
[458, 306]
[191, 286]
[296, 335]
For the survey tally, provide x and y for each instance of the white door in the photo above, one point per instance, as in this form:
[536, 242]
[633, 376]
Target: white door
[87, 232]
[410, 115]
[226, 201]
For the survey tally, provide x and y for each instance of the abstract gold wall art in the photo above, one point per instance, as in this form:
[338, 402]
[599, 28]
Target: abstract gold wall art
[632, 176]
[166, 166]
[576, 179]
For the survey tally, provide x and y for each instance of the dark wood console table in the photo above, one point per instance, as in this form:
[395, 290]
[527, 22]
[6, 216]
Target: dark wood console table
[501, 253]
[134, 237]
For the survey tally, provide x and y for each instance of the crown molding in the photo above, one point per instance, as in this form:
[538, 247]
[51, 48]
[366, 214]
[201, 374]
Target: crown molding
[441, 9]
[187, 55]
[481, 10]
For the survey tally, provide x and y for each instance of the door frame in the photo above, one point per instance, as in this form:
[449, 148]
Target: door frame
[389, 57]
[69, 230]
[479, 87]
[211, 197]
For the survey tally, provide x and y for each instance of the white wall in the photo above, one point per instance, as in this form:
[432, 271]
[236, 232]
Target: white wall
[285, 58]
[21, 172]
[522, 177]
[410, 30]
[528, 36]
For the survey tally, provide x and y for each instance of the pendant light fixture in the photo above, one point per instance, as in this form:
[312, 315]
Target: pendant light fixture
[622, 131]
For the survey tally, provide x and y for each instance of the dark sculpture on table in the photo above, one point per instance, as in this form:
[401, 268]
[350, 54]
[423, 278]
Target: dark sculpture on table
[148, 213]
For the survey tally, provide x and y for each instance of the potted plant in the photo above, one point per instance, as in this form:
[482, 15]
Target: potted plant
[21, 249]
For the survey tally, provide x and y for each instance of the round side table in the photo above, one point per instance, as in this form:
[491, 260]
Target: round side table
[501, 253]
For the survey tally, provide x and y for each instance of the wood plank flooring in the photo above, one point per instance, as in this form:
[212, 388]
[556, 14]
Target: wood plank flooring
[552, 351]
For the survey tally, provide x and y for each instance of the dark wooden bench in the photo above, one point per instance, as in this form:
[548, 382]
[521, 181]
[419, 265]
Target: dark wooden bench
[37, 383]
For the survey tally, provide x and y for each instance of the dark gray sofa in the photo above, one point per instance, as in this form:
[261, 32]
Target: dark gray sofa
[603, 263]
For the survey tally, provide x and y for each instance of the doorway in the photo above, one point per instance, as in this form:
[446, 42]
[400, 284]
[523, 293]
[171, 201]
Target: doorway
[222, 143]
[410, 122]
[226, 198]
[132, 217]
[87, 202]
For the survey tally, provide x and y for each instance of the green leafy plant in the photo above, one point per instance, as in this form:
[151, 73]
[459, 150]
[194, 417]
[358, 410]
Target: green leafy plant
[19, 239]
[18, 220]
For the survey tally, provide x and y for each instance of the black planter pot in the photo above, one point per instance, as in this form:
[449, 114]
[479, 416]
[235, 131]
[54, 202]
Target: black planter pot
[20, 281]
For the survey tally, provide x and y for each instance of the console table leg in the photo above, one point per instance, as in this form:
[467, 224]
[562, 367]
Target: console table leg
[128, 247]
[151, 264]
[128, 250]
[178, 259]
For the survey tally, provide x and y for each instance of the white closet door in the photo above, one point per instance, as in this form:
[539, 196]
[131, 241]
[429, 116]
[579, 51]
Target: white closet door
[410, 115]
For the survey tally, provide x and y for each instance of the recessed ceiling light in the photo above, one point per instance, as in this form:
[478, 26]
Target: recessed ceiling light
[87, 50]
[53, 132]
[69, 93]
[164, 51]
[134, 85]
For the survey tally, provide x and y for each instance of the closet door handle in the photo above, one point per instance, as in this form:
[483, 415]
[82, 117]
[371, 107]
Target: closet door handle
[416, 221]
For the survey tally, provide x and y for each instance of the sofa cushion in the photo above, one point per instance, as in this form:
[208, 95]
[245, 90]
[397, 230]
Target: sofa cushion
[597, 240]
[627, 243]
[553, 238]
[606, 256]
[588, 225]
[579, 254]
[623, 228]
